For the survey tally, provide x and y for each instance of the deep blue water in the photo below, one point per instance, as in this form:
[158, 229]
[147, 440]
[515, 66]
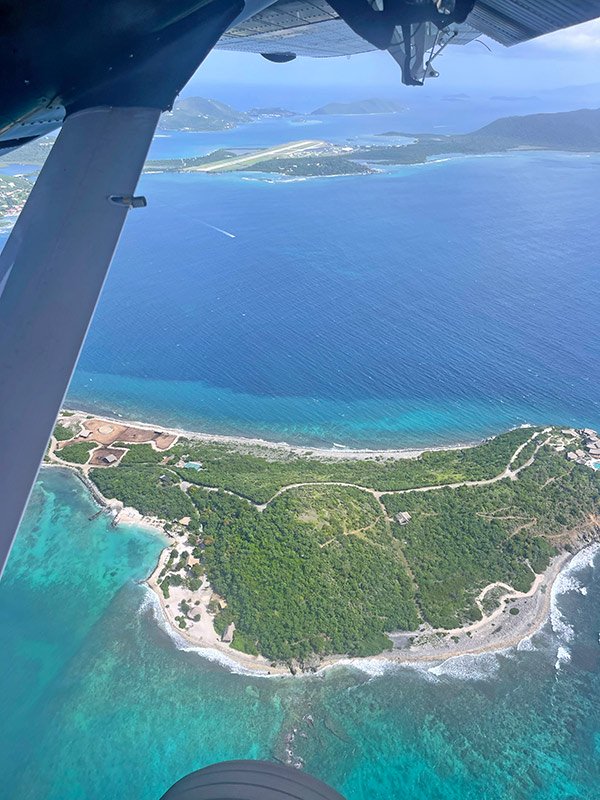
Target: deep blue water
[437, 303]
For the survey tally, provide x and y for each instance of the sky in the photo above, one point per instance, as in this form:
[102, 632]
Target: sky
[566, 58]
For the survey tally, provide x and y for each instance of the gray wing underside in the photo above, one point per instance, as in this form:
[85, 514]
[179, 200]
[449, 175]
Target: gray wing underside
[314, 29]
[306, 29]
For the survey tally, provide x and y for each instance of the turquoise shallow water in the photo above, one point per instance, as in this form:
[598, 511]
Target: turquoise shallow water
[98, 702]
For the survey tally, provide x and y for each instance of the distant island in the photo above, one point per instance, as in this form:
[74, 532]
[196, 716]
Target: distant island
[305, 158]
[372, 106]
[569, 131]
[200, 114]
[572, 131]
[286, 558]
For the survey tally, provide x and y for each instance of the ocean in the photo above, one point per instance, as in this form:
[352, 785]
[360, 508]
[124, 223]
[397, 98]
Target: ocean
[433, 304]
[430, 304]
[99, 702]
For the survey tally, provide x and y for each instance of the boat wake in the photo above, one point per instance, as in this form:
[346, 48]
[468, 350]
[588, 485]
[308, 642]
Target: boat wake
[219, 230]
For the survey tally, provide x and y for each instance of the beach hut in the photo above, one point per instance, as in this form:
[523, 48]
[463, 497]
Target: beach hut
[228, 635]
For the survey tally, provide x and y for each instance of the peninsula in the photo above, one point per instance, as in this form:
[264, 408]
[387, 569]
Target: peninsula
[289, 559]
[570, 131]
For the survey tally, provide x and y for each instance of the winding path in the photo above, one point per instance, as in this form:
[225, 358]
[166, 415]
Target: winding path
[377, 494]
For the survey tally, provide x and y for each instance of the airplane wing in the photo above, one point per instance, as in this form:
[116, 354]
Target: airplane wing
[305, 28]
[313, 28]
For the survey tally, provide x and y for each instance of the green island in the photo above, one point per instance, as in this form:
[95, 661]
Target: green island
[570, 131]
[297, 557]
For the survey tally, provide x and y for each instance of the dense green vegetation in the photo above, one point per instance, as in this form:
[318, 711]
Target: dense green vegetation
[141, 454]
[76, 453]
[62, 433]
[201, 114]
[316, 572]
[311, 166]
[327, 569]
[258, 475]
[144, 488]
[460, 540]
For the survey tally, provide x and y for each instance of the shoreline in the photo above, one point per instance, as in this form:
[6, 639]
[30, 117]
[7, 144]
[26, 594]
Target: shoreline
[535, 611]
[518, 615]
[341, 452]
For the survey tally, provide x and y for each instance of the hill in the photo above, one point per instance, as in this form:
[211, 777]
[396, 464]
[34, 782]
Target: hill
[200, 114]
[372, 106]
[575, 131]
[567, 130]
[313, 557]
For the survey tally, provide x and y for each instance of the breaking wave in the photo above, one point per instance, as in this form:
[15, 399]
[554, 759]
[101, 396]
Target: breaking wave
[152, 604]
[468, 667]
[563, 656]
[566, 582]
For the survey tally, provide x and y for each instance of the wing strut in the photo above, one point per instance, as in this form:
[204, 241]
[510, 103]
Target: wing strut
[51, 273]
[56, 259]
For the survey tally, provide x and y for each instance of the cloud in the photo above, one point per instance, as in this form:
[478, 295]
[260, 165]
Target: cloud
[583, 39]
